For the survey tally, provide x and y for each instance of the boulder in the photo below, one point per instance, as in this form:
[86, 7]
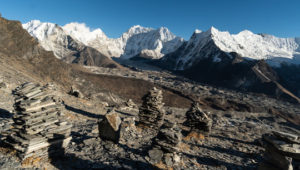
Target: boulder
[109, 127]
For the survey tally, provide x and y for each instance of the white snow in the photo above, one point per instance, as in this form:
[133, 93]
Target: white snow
[247, 44]
[153, 43]
[39, 30]
[82, 33]
[255, 46]
[51, 37]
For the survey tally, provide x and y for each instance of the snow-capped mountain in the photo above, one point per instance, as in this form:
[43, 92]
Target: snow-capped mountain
[247, 44]
[155, 43]
[234, 61]
[53, 38]
[50, 36]
[138, 40]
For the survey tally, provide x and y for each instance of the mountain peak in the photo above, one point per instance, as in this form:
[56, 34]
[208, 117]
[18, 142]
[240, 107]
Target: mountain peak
[137, 29]
[212, 30]
[197, 31]
[38, 29]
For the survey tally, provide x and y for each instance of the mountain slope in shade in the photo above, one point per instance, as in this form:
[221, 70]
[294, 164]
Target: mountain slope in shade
[247, 44]
[53, 38]
[153, 42]
[207, 57]
[238, 73]
[22, 52]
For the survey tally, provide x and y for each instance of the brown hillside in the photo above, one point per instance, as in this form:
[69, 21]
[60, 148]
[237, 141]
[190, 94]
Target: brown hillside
[23, 53]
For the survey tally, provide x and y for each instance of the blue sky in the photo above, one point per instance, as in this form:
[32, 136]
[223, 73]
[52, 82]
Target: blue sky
[182, 17]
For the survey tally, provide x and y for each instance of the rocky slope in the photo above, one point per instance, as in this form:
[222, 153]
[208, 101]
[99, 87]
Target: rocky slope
[53, 38]
[148, 42]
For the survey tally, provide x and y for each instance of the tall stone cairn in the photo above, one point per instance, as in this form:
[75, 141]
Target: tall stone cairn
[282, 151]
[151, 113]
[168, 137]
[166, 145]
[198, 120]
[37, 130]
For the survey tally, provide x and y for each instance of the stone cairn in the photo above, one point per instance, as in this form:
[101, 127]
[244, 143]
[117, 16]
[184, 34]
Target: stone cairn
[198, 120]
[37, 130]
[282, 151]
[165, 144]
[151, 113]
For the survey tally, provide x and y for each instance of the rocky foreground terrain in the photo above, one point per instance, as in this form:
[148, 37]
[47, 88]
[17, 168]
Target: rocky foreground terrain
[238, 123]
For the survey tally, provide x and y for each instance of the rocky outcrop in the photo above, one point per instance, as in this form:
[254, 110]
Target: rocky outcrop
[197, 119]
[282, 151]
[151, 112]
[37, 128]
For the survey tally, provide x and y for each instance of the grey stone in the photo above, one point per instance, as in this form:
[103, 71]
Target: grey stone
[3, 85]
[109, 127]
[168, 160]
[89, 141]
[155, 155]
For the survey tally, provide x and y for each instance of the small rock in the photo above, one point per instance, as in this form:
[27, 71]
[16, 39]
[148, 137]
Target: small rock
[3, 85]
[89, 141]
[155, 155]
[75, 92]
[168, 159]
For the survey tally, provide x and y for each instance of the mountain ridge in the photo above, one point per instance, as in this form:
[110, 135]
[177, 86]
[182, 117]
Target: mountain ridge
[154, 42]
[53, 38]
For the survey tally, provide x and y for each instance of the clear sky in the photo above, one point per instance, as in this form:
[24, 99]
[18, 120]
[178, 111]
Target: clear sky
[182, 17]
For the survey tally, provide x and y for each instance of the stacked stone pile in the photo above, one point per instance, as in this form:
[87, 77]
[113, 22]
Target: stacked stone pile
[282, 151]
[166, 143]
[37, 128]
[198, 120]
[151, 113]
[168, 137]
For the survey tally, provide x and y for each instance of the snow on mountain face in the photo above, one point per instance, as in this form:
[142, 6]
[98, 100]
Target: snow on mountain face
[50, 36]
[158, 42]
[247, 44]
[136, 40]
[82, 33]
[255, 46]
